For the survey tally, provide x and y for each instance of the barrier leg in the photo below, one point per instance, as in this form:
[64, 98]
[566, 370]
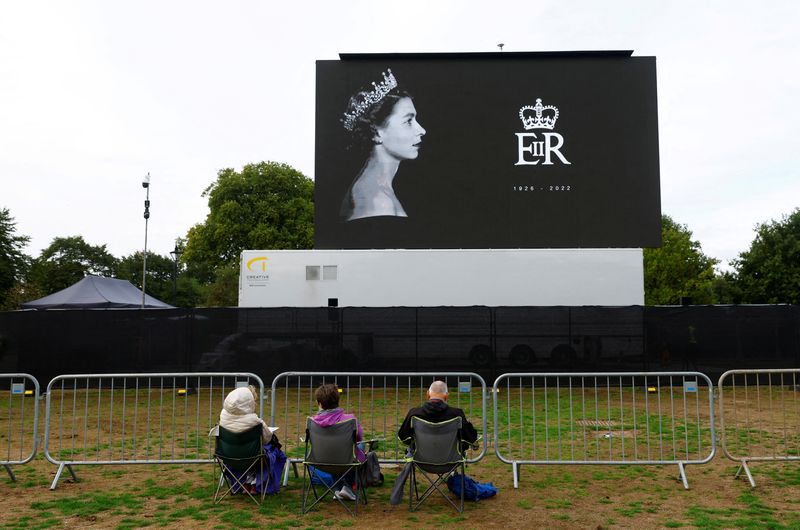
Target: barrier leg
[10, 472]
[61, 467]
[58, 476]
[286, 467]
[515, 471]
[747, 472]
[682, 475]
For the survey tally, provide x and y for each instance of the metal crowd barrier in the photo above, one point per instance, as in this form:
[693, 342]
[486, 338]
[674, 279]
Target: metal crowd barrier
[19, 419]
[159, 418]
[379, 400]
[759, 416]
[604, 418]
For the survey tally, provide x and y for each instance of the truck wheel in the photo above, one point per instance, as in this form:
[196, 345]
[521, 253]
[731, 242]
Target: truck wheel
[522, 355]
[562, 355]
[480, 355]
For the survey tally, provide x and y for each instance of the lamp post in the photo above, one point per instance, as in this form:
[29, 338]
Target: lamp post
[146, 186]
[176, 255]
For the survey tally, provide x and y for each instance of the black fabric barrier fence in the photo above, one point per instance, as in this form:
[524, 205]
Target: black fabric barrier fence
[486, 340]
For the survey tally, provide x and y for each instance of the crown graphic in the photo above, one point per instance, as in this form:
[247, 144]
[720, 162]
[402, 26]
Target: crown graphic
[366, 99]
[539, 116]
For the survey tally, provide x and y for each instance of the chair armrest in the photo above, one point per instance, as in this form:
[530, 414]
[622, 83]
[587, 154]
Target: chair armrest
[476, 444]
[371, 443]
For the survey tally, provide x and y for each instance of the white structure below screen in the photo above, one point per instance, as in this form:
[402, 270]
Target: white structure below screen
[385, 278]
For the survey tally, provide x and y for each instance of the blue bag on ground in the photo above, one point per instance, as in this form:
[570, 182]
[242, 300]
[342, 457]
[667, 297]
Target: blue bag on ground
[473, 491]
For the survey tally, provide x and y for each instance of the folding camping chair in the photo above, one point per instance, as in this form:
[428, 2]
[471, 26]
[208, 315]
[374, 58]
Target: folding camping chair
[331, 449]
[436, 449]
[240, 455]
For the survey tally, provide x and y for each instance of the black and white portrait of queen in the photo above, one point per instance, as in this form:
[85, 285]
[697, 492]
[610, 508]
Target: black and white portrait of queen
[383, 127]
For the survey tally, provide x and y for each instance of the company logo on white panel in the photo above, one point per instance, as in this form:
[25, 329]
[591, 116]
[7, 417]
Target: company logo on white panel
[256, 271]
[544, 147]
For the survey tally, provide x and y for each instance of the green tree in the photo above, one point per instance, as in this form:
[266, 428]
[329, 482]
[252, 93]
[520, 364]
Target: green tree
[13, 262]
[190, 292]
[161, 279]
[66, 261]
[20, 293]
[726, 289]
[769, 271]
[159, 273]
[224, 291]
[678, 268]
[264, 206]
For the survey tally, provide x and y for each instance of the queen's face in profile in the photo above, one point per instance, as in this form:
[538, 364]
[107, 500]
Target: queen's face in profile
[401, 134]
[384, 121]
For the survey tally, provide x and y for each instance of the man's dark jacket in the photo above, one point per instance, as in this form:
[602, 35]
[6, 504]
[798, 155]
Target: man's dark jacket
[437, 411]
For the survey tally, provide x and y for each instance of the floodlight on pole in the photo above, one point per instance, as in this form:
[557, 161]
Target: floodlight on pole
[146, 186]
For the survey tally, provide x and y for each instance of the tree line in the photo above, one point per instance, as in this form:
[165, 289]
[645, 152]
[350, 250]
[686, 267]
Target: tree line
[766, 273]
[264, 206]
[270, 205]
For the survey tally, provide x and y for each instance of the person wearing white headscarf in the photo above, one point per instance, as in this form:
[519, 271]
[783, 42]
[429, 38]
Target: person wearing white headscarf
[239, 413]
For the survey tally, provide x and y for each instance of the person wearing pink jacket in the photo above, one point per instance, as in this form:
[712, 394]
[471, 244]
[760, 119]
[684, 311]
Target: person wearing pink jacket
[327, 397]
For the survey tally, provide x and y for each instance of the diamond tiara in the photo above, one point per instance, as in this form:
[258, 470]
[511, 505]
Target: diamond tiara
[538, 121]
[364, 100]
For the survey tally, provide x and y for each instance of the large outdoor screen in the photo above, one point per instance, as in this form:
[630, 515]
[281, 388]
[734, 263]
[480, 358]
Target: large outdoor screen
[495, 151]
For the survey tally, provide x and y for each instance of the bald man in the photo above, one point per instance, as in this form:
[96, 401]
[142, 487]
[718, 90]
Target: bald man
[436, 410]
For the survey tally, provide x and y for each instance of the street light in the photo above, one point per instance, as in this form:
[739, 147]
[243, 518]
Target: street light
[146, 186]
[176, 255]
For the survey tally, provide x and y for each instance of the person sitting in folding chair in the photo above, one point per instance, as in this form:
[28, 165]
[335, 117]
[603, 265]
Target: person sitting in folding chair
[437, 451]
[246, 449]
[333, 421]
[436, 410]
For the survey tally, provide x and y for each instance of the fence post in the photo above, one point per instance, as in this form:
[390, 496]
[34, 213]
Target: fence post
[599, 418]
[135, 418]
[761, 423]
[22, 424]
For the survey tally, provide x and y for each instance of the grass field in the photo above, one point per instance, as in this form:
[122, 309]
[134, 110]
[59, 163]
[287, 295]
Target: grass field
[549, 497]
[553, 424]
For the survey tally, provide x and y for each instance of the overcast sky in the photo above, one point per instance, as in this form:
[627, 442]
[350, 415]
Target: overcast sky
[94, 95]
